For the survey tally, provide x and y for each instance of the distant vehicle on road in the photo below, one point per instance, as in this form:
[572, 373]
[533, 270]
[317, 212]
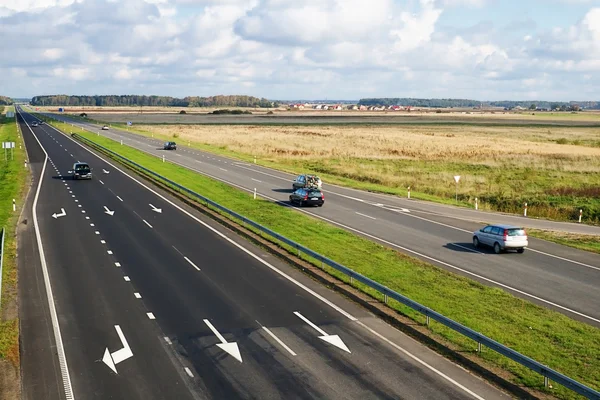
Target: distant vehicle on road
[81, 170]
[105, 128]
[307, 181]
[305, 197]
[34, 124]
[170, 146]
[501, 238]
[41, 122]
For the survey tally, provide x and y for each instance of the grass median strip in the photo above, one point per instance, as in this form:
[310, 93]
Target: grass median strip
[13, 179]
[566, 345]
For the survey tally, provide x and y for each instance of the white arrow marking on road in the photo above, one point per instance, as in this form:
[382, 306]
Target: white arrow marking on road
[62, 214]
[108, 211]
[112, 359]
[105, 171]
[231, 348]
[331, 339]
[158, 210]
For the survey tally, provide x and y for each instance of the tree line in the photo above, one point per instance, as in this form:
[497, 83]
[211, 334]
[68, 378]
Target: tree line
[467, 103]
[5, 101]
[155, 101]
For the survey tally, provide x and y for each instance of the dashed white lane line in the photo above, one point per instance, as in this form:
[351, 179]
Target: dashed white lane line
[194, 265]
[83, 211]
[72, 195]
[146, 222]
[103, 241]
[97, 233]
[137, 295]
[222, 169]
[256, 180]
[119, 198]
[118, 265]
[79, 205]
[365, 215]
[100, 181]
[168, 340]
[150, 315]
[87, 217]
[92, 224]
[76, 201]
[187, 370]
[127, 279]
[109, 251]
[277, 340]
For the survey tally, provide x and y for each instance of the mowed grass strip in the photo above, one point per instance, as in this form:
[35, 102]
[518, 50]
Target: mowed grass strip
[566, 345]
[13, 179]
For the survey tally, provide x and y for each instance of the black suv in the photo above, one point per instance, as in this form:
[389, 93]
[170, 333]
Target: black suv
[81, 171]
[170, 146]
[305, 197]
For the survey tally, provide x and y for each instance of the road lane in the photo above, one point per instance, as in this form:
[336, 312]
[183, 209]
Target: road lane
[549, 274]
[240, 295]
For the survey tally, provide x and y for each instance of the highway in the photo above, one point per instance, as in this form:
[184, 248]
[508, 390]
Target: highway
[151, 300]
[551, 275]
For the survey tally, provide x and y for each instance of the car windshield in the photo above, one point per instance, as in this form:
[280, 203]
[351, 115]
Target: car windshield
[516, 232]
[82, 168]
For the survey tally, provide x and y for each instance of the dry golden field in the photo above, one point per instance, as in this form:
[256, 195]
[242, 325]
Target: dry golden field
[555, 169]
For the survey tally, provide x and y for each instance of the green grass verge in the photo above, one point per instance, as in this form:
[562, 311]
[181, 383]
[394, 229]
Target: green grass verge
[13, 179]
[566, 345]
[576, 240]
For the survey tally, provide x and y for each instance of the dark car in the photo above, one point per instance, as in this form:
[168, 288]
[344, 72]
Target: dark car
[304, 197]
[170, 146]
[81, 171]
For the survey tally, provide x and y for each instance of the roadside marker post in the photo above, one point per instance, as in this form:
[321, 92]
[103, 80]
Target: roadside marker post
[456, 179]
[14, 205]
[525, 211]
[476, 205]
[163, 158]
[580, 214]
[254, 159]
[409, 192]
[254, 193]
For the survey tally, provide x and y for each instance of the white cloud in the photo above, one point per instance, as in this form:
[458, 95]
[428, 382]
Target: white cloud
[285, 49]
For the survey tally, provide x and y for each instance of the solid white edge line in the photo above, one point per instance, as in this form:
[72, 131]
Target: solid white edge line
[285, 346]
[62, 359]
[119, 198]
[150, 315]
[146, 222]
[190, 261]
[187, 370]
[418, 360]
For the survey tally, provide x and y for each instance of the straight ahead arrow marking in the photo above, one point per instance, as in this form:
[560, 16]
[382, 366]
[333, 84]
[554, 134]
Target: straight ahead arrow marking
[331, 339]
[231, 348]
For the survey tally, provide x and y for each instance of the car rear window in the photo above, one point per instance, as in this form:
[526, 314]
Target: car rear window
[314, 193]
[516, 232]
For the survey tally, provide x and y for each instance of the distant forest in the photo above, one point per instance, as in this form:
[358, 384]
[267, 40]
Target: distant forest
[465, 103]
[5, 101]
[156, 101]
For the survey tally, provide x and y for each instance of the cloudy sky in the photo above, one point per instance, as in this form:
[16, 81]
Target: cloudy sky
[307, 49]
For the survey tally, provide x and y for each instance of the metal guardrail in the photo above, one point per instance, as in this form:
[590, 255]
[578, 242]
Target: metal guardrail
[1, 261]
[546, 372]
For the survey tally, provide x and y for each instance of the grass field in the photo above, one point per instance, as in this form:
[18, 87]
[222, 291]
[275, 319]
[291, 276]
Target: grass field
[13, 178]
[555, 170]
[568, 346]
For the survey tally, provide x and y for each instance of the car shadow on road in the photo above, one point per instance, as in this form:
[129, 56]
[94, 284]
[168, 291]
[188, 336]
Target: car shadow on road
[65, 177]
[281, 190]
[465, 247]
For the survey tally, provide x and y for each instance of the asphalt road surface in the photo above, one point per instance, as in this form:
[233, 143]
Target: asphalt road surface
[149, 300]
[551, 275]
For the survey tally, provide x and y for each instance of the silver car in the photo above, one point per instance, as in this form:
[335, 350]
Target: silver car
[501, 238]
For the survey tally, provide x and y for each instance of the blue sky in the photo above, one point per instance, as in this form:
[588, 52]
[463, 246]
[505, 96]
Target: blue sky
[280, 49]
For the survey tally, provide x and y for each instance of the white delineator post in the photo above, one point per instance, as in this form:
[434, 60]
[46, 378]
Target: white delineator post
[525, 210]
[163, 158]
[254, 159]
[14, 205]
[580, 214]
[409, 192]
[476, 205]
[456, 179]
[254, 193]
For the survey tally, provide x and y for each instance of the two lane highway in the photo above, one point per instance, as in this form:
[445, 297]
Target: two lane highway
[206, 315]
[552, 275]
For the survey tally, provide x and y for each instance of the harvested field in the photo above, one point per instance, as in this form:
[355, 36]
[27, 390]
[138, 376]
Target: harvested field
[556, 170]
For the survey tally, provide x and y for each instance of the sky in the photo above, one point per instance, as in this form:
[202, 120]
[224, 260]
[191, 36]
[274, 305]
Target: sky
[308, 49]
